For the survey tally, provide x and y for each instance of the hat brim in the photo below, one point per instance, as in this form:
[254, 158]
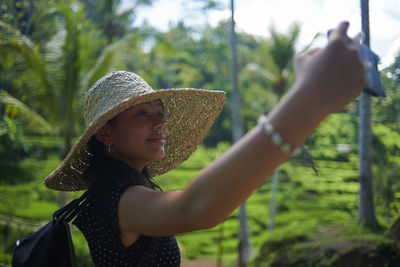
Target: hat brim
[189, 115]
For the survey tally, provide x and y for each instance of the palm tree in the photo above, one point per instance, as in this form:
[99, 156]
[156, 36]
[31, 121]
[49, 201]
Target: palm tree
[276, 59]
[237, 132]
[277, 68]
[61, 72]
[14, 107]
[106, 14]
[66, 67]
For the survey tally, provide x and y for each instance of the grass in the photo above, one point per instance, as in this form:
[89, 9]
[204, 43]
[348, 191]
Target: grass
[305, 201]
[38, 210]
[320, 209]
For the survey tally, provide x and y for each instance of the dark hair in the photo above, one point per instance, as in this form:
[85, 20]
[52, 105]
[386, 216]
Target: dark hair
[104, 167]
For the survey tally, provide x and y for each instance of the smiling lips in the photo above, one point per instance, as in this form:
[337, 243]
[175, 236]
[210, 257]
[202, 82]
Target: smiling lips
[160, 139]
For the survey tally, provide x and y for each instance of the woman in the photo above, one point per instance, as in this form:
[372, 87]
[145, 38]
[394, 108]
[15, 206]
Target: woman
[135, 133]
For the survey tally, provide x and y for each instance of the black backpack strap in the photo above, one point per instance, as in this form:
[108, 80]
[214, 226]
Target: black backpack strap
[147, 259]
[69, 211]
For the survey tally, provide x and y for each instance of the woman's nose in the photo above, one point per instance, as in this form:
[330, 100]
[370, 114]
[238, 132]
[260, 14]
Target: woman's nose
[159, 123]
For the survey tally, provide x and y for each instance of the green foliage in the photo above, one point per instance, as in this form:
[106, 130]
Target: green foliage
[59, 71]
[83, 258]
[109, 18]
[312, 209]
[275, 60]
[20, 153]
[12, 146]
[338, 129]
[386, 143]
[53, 51]
[16, 109]
[329, 245]
[8, 235]
[386, 110]
[393, 69]
[386, 170]
[282, 50]
[7, 12]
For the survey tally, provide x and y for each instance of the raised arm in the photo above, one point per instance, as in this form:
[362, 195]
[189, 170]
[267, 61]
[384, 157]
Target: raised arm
[327, 80]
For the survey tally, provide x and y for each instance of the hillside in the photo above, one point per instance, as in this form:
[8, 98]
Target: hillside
[315, 213]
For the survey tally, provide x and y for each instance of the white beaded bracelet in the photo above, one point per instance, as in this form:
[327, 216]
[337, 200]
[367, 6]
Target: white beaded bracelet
[276, 138]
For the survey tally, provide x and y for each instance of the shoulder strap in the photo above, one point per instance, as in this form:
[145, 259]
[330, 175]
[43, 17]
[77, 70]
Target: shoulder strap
[69, 211]
[147, 259]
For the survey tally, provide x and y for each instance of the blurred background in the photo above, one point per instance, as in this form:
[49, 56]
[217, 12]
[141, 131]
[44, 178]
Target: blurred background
[311, 212]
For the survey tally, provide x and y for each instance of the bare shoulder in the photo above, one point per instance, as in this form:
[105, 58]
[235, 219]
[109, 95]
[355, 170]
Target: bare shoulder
[136, 196]
[146, 211]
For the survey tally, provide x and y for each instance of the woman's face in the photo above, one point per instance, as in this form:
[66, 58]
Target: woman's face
[138, 134]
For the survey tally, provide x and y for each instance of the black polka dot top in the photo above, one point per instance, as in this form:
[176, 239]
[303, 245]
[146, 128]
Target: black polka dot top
[98, 223]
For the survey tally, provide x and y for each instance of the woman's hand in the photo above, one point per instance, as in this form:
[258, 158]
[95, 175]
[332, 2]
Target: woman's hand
[334, 75]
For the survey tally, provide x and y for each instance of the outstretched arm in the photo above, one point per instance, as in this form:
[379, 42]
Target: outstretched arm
[326, 81]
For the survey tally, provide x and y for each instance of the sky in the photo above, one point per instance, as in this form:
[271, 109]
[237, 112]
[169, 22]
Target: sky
[315, 16]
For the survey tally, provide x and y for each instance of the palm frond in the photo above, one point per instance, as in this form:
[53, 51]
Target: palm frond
[28, 56]
[317, 35]
[261, 71]
[13, 36]
[109, 60]
[15, 107]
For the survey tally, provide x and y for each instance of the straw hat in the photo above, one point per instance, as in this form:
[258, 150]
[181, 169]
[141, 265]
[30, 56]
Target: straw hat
[189, 114]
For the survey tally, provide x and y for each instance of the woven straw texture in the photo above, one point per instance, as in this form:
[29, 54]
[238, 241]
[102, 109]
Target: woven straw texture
[189, 114]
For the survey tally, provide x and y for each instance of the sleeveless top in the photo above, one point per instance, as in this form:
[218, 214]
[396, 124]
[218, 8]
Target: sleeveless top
[98, 221]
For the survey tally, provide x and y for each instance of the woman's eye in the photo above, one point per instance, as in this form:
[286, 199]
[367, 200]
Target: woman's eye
[142, 114]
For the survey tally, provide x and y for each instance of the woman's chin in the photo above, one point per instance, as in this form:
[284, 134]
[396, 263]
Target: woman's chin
[160, 154]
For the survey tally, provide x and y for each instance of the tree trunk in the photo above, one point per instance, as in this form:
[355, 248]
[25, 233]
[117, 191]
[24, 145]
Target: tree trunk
[220, 245]
[394, 232]
[366, 206]
[237, 132]
[272, 211]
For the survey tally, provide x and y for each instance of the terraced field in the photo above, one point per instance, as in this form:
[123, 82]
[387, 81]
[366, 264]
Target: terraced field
[309, 207]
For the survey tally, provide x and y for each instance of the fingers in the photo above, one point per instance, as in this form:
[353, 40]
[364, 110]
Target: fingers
[340, 41]
[339, 32]
[341, 57]
[357, 39]
[342, 28]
